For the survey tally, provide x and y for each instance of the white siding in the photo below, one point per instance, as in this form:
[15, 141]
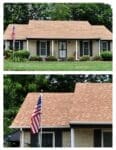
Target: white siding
[83, 137]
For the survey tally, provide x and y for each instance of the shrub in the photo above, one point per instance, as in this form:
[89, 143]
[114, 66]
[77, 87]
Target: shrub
[8, 54]
[35, 58]
[23, 54]
[85, 58]
[106, 56]
[51, 58]
[71, 58]
[96, 58]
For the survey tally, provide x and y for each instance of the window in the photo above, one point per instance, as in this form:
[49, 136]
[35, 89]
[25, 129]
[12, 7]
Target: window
[62, 49]
[107, 138]
[48, 139]
[104, 45]
[102, 138]
[86, 47]
[18, 45]
[43, 48]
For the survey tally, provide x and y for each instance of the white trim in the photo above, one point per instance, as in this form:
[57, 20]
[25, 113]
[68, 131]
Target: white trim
[99, 47]
[27, 45]
[72, 137]
[53, 134]
[45, 127]
[76, 50]
[52, 47]
[6, 44]
[89, 122]
[21, 138]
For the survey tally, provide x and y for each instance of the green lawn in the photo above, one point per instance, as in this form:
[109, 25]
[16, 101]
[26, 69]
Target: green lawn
[58, 66]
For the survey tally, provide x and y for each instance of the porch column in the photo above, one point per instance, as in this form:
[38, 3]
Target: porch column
[99, 47]
[21, 138]
[76, 51]
[52, 47]
[72, 138]
[6, 45]
[27, 45]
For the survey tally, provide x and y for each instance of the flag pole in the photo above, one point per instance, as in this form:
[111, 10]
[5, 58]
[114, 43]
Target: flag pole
[41, 118]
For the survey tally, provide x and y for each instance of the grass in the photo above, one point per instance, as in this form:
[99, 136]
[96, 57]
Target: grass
[58, 66]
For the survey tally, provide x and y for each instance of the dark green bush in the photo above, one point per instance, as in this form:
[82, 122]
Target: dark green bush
[96, 58]
[71, 58]
[35, 58]
[22, 54]
[51, 58]
[8, 54]
[85, 58]
[106, 56]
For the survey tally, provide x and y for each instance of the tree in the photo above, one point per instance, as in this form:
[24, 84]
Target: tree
[95, 13]
[15, 13]
[59, 11]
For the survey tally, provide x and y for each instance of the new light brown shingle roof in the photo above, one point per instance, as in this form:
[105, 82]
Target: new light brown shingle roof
[59, 30]
[90, 102]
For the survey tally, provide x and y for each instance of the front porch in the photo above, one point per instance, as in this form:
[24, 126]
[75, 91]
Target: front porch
[88, 135]
[61, 48]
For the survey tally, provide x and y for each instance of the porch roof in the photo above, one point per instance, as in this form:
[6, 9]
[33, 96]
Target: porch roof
[58, 30]
[90, 102]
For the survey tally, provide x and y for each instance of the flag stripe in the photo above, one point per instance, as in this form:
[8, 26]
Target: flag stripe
[36, 117]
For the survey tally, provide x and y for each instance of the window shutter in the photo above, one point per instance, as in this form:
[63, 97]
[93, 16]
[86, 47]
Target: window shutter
[34, 140]
[48, 48]
[11, 45]
[38, 50]
[81, 50]
[21, 45]
[108, 45]
[97, 138]
[91, 51]
[58, 138]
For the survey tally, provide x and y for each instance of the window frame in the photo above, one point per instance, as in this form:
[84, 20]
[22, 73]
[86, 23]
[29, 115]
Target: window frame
[60, 49]
[44, 49]
[88, 46]
[102, 135]
[106, 42]
[49, 132]
[18, 42]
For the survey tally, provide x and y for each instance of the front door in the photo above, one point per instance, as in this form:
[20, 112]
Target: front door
[86, 47]
[43, 48]
[62, 49]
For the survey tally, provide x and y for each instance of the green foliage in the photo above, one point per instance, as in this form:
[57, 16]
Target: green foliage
[51, 58]
[71, 58]
[35, 58]
[85, 58]
[95, 13]
[58, 66]
[60, 11]
[106, 56]
[9, 115]
[8, 54]
[96, 58]
[20, 55]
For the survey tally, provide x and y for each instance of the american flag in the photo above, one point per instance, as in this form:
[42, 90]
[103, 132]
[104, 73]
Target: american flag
[36, 117]
[13, 33]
